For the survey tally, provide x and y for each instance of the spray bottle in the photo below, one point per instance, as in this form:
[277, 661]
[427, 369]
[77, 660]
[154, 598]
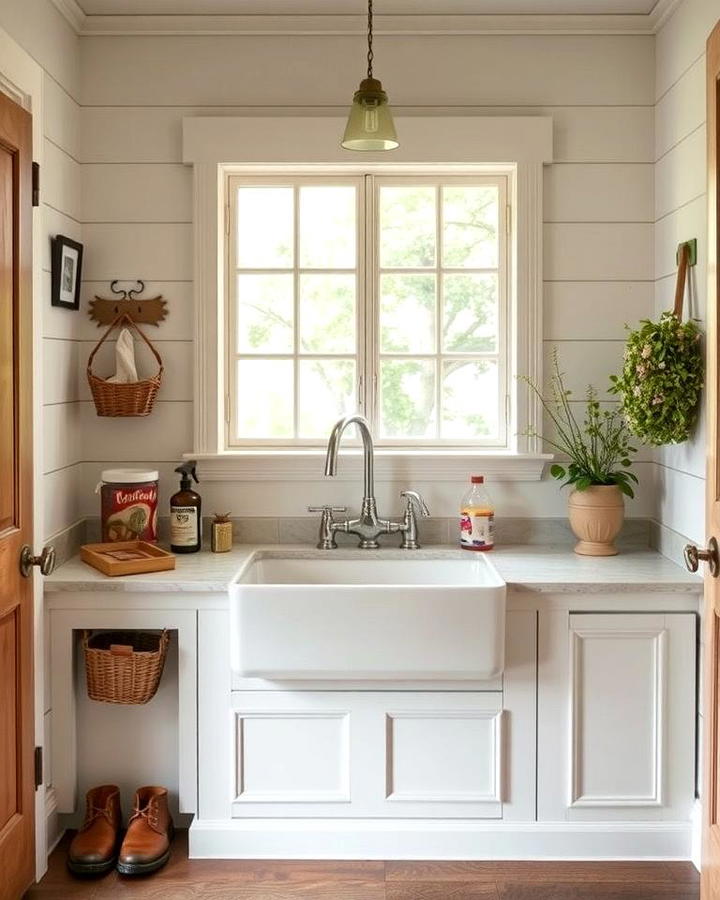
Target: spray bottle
[185, 513]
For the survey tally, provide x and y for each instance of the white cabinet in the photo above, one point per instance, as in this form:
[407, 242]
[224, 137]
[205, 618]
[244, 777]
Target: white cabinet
[367, 753]
[616, 716]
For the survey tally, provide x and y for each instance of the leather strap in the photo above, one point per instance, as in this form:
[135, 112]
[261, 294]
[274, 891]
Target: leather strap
[681, 278]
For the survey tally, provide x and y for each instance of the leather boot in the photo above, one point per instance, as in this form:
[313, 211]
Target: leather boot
[94, 848]
[146, 846]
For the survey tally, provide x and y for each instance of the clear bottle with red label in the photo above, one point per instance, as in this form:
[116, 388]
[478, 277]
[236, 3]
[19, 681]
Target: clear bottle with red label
[477, 517]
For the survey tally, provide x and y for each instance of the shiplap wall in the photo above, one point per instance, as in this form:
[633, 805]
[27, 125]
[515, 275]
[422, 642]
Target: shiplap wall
[680, 214]
[38, 27]
[137, 201]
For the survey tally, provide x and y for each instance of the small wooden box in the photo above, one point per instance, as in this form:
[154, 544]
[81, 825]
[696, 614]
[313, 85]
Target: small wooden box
[127, 558]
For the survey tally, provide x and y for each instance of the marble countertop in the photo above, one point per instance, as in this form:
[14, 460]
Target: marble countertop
[531, 567]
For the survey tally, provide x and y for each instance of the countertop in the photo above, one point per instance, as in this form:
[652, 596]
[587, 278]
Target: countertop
[532, 567]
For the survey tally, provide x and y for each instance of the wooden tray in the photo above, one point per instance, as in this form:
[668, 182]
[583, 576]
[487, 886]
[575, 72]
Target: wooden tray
[127, 557]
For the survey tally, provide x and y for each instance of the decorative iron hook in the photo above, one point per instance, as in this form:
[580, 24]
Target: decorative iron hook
[138, 290]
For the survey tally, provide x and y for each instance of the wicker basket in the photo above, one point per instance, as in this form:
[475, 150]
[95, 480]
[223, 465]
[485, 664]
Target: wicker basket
[124, 666]
[133, 399]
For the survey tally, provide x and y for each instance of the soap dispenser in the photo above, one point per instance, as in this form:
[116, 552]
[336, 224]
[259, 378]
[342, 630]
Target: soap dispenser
[185, 513]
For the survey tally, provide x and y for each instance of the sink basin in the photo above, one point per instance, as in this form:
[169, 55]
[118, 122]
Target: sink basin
[327, 618]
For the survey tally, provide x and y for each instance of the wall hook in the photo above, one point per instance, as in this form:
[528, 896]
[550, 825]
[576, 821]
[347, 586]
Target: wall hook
[145, 310]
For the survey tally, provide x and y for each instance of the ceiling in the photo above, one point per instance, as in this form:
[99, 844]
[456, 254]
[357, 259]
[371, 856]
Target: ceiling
[355, 7]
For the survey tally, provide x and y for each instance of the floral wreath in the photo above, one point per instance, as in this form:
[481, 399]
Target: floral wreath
[661, 380]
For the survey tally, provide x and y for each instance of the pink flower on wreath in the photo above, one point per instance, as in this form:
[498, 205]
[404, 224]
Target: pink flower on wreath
[657, 399]
[646, 351]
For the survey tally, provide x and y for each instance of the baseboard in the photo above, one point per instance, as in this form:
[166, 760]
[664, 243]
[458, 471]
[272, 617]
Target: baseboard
[53, 830]
[437, 840]
[696, 823]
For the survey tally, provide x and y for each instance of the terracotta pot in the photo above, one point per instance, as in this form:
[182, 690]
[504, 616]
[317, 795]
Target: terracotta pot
[596, 517]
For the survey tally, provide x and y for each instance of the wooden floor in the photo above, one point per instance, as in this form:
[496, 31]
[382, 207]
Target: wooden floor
[184, 879]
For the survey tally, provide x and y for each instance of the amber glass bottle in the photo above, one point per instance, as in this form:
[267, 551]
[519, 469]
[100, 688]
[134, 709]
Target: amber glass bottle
[186, 513]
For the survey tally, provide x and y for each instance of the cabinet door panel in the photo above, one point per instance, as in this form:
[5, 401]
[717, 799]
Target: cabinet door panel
[616, 716]
[380, 754]
[617, 711]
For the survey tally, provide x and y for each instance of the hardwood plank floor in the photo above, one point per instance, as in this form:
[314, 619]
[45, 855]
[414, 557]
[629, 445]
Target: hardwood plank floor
[204, 879]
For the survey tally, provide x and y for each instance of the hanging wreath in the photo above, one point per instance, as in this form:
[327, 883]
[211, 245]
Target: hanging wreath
[662, 375]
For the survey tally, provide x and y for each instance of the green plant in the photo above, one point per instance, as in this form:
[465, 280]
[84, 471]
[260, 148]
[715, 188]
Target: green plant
[661, 380]
[598, 449]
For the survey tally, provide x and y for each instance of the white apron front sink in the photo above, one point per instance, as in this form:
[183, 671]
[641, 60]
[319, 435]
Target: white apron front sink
[367, 618]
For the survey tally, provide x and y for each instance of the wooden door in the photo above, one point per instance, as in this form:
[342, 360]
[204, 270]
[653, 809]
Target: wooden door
[17, 856]
[711, 621]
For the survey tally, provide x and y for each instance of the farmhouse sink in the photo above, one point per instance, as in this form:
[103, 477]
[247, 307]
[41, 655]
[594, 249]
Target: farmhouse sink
[328, 618]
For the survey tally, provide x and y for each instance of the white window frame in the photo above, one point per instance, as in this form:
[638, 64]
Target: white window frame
[367, 273]
[218, 147]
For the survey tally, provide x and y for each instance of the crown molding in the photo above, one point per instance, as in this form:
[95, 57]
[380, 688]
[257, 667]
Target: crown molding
[661, 12]
[334, 25]
[72, 11]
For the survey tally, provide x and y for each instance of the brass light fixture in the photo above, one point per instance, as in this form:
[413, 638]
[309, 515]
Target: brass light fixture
[370, 124]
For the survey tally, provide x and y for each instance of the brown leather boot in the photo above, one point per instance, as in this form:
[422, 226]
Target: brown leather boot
[94, 848]
[147, 842]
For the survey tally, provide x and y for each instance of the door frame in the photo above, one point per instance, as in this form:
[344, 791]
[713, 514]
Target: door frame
[21, 79]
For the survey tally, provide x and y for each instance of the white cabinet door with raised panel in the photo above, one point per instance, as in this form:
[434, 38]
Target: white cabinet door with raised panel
[616, 716]
[367, 753]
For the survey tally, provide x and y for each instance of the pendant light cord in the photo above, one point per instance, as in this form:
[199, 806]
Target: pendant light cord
[370, 39]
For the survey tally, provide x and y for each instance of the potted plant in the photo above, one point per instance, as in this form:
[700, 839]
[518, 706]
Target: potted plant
[599, 454]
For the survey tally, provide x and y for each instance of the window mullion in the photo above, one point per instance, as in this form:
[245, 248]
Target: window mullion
[296, 311]
[370, 300]
[438, 311]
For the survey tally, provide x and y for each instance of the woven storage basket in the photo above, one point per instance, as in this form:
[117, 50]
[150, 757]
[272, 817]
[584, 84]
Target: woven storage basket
[133, 399]
[124, 666]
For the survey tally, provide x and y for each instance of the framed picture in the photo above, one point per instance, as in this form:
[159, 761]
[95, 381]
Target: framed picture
[66, 272]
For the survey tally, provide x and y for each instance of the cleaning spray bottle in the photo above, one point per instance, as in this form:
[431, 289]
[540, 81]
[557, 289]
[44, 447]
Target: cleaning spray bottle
[185, 513]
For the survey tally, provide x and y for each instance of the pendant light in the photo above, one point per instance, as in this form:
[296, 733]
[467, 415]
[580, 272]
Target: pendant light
[370, 123]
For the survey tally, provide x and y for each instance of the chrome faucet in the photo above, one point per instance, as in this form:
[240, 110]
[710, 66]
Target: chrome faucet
[368, 527]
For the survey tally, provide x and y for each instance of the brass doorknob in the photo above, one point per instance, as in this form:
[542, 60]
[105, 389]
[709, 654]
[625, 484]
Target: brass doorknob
[693, 557]
[46, 560]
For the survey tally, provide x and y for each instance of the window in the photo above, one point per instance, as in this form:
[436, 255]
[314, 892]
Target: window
[387, 295]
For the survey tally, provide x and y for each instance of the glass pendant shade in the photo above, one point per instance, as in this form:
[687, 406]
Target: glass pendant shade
[370, 124]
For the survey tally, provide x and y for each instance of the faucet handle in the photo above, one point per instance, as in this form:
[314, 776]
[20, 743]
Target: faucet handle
[414, 499]
[326, 535]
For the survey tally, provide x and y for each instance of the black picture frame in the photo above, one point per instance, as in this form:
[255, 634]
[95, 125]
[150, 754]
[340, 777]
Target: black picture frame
[66, 267]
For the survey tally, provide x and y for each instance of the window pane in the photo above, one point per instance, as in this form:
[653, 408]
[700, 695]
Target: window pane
[265, 313]
[407, 313]
[407, 398]
[470, 399]
[470, 320]
[470, 226]
[327, 227]
[265, 227]
[327, 313]
[265, 398]
[326, 392]
[407, 227]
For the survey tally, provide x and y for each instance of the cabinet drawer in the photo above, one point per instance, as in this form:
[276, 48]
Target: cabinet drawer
[331, 753]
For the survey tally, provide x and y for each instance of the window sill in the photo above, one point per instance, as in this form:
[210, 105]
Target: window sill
[390, 465]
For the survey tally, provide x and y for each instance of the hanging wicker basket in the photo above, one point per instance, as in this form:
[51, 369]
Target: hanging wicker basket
[124, 666]
[130, 399]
